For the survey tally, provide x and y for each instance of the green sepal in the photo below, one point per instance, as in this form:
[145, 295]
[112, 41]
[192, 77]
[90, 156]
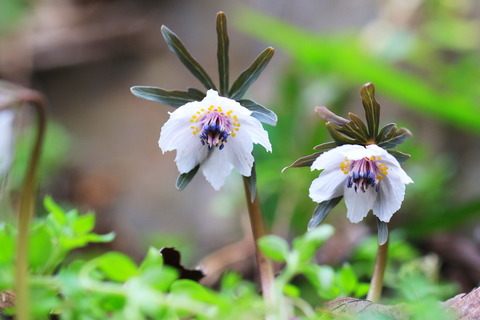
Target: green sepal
[251, 74]
[306, 161]
[252, 183]
[358, 125]
[397, 137]
[184, 179]
[326, 146]
[321, 212]
[171, 98]
[386, 132]
[350, 130]
[175, 45]
[382, 232]
[341, 138]
[372, 109]
[222, 52]
[260, 112]
[400, 156]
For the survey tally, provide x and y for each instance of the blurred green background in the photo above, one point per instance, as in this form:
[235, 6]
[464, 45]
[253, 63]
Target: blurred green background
[102, 153]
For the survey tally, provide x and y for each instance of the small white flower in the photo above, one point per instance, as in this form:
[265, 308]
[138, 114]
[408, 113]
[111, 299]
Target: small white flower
[6, 140]
[217, 133]
[368, 177]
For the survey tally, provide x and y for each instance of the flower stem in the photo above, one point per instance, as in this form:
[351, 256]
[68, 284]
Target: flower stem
[265, 267]
[376, 283]
[25, 97]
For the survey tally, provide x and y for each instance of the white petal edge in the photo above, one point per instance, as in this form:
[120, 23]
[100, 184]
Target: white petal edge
[359, 203]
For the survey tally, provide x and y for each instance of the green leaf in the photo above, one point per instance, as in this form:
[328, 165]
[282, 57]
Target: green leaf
[348, 279]
[184, 179]
[311, 241]
[361, 290]
[386, 132]
[40, 246]
[259, 112]
[321, 212]
[153, 260]
[117, 266]
[336, 135]
[359, 125]
[251, 182]
[345, 56]
[400, 136]
[372, 109]
[321, 277]
[171, 98]
[325, 146]
[247, 77]
[84, 224]
[400, 156]
[222, 52]
[175, 45]
[7, 239]
[274, 247]
[382, 232]
[58, 214]
[306, 161]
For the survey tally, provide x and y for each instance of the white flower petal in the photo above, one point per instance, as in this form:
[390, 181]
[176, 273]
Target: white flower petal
[392, 190]
[181, 133]
[216, 168]
[359, 203]
[254, 129]
[328, 185]
[331, 159]
[239, 150]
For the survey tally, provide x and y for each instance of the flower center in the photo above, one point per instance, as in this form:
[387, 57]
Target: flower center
[364, 172]
[214, 126]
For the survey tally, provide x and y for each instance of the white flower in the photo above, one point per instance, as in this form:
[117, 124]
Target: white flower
[368, 177]
[217, 133]
[6, 139]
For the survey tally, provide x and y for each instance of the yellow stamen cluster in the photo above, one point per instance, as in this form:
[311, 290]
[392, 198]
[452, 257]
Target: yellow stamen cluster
[219, 111]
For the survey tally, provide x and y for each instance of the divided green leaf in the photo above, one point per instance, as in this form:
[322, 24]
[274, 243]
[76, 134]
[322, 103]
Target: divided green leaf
[175, 45]
[251, 74]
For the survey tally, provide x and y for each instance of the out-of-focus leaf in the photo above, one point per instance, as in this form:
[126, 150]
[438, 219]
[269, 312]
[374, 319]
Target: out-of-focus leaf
[222, 52]
[55, 210]
[117, 266]
[345, 56]
[40, 246]
[259, 112]
[174, 44]
[311, 240]
[184, 179]
[171, 98]
[248, 76]
[84, 224]
[372, 109]
[348, 279]
[321, 212]
[171, 257]
[306, 161]
[274, 247]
